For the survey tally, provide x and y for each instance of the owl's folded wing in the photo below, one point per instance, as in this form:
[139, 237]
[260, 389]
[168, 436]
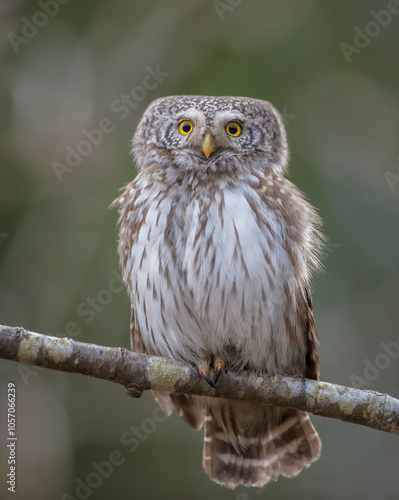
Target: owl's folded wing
[312, 339]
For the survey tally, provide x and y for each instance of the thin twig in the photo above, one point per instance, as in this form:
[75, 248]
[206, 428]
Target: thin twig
[139, 372]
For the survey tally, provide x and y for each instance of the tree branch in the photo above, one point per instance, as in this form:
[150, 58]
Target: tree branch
[139, 372]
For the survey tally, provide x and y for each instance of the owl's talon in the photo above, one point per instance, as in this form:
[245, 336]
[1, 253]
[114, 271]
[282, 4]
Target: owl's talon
[219, 366]
[205, 374]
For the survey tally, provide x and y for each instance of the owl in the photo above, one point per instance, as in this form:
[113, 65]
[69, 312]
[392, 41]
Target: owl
[217, 249]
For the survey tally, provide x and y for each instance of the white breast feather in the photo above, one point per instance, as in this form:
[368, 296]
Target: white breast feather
[226, 293]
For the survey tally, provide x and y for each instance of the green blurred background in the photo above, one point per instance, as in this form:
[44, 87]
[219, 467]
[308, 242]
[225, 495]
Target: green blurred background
[58, 240]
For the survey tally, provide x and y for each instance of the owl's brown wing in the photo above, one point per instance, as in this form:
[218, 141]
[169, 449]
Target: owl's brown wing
[136, 341]
[187, 406]
[312, 339]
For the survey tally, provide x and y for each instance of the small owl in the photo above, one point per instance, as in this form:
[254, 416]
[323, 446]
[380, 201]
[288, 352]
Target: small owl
[217, 249]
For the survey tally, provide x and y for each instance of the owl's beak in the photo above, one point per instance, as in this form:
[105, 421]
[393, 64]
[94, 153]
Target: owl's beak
[208, 144]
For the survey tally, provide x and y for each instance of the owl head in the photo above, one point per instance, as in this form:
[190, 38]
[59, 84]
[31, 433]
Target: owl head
[211, 134]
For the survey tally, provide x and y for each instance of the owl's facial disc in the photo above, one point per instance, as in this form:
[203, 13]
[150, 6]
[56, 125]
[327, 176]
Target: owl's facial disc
[207, 137]
[211, 134]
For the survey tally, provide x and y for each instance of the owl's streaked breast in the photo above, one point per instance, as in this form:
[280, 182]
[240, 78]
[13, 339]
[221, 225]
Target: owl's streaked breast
[209, 274]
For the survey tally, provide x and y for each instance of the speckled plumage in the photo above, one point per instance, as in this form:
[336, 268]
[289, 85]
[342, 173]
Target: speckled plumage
[217, 254]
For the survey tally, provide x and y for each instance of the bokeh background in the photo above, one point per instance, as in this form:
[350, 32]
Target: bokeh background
[64, 73]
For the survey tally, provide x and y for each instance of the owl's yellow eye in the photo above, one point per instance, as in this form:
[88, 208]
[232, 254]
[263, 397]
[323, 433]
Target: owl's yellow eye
[234, 129]
[185, 127]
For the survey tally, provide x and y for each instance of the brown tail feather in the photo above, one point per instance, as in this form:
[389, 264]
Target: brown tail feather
[286, 445]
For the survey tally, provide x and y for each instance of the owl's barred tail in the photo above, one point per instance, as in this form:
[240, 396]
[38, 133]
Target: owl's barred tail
[288, 445]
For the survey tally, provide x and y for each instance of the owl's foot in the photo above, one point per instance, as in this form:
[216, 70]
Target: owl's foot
[219, 366]
[205, 371]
